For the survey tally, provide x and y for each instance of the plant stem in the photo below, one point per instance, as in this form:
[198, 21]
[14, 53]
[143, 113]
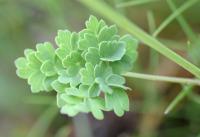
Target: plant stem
[184, 92]
[174, 15]
[133, 3]
[194, 97]
[150, 41]
[81, 121]
[163, 78]
[183, 23]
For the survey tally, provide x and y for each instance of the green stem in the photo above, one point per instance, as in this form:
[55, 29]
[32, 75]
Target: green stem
[151, 21]
[133, 3]
[194, 97]
[152, 42]
[163, 78]
[174, 15]
[81, 121]
[178, 98]
[183, 23]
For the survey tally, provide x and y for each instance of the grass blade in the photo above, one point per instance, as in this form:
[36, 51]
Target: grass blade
[178, 98]
[134, 3]
[154, 56]
[194, 97]
[152, 42]
[151, 21]
[183, 23]
[174, 15]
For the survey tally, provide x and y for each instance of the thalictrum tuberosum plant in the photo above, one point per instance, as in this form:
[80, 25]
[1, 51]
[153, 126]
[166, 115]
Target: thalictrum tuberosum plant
[85, 69]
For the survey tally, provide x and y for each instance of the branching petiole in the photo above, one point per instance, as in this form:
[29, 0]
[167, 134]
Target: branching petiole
[163, 78]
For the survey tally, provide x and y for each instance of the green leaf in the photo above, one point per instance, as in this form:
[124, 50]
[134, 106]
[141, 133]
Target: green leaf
[89, 40]
[131, 47]
[71, 99]
[74, 40]
[122, 66]
[48, 68]
[112, 51]
[101, 25]
[83, 32]
[58, 65]
[59, 87]
[82, 107]
[69, 110]
[48, 81]
[115, 79]
[21, 63]
[23, 70]
[45, 51]
[131, 43]
[73, 71]
[72, 110]
[84, 89]
[92, 56]
[72, 59]
[117, 101]
[73, 81]
[87, 74]
[95, 105]
[62, 53]
[76, 92]
[102, 70]
[63, 39]
[94, 90]
[36, 81]
[64, 78]
[107, 33]
[23, 73]
[103, 85]
[33, 62]
[92, 24]
[60, 101]
[28, 51]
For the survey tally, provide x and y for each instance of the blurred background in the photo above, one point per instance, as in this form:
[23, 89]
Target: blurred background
[23, 23]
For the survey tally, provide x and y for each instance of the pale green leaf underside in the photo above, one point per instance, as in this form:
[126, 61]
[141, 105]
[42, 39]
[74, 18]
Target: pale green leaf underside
[112, 51]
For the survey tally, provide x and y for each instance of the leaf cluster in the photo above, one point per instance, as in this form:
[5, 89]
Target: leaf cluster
[85, 69]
